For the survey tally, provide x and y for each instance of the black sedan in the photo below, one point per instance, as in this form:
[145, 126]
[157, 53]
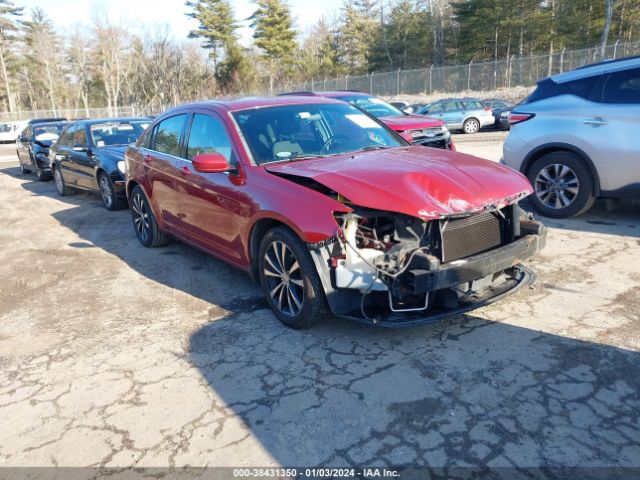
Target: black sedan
[89, 155]
[501, 111]
[32, 147]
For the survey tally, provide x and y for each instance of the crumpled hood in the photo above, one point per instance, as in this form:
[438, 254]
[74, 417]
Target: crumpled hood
[410, 122]
[417, 181]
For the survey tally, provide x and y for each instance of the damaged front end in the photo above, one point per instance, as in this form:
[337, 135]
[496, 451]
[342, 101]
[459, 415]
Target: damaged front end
[394, 269]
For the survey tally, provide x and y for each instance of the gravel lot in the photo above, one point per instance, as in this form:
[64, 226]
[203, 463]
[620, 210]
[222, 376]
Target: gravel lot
[116, 355]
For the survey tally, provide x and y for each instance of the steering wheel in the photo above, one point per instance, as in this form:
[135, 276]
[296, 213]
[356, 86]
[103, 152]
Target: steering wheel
[331, 141]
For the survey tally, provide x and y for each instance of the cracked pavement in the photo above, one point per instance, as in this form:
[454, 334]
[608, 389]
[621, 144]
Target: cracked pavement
[114, 355]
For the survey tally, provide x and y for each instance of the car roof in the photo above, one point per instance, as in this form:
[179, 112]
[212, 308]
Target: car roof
[95, 121]
[608, 66]
[330, 94]
[235, 104]
[48, 124]
[46, 120]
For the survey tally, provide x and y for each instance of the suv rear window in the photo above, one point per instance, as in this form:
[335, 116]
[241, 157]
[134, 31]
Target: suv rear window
[584, 88]
[622, 87]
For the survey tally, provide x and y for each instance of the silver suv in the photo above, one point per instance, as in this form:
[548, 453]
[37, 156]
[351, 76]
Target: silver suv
[577, 137]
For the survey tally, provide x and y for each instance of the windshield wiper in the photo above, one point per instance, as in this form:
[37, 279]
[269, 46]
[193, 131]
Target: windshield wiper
[372, 147]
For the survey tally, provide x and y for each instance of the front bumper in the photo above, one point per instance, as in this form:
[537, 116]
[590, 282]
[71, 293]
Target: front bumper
[480, 280]
[477, 266]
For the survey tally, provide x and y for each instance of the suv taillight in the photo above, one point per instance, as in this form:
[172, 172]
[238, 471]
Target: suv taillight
[487, 109]
[515, 117]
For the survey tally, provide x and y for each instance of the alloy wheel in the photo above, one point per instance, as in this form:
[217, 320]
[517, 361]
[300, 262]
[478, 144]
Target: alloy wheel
[140, 216]
[284, 278]
[58, 179]
[556, 186]
[105, 191]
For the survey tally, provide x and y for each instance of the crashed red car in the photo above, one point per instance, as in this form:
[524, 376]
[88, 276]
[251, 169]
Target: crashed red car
[415, 129]
[331, 211]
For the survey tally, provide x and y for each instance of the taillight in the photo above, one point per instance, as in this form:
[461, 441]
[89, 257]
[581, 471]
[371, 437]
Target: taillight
[520, 117]
[487, 109]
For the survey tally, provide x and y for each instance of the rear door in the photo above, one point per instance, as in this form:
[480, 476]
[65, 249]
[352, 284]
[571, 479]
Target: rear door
[453, 115]
[81, 159]
[62, 155]
[607, 130]
[22, 146]
[161, 159]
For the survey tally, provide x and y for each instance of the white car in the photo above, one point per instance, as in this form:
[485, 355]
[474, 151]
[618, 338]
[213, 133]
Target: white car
[577, 137]
[9, 131]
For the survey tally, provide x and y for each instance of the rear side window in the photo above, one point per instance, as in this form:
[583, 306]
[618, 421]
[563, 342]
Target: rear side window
[622, 87]
[167, 135]
[586, 88]
[208, 135]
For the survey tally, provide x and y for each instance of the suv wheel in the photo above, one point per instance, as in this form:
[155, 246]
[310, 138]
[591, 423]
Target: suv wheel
[289, 279]
[23, 169]
[144, 221]
[471, 125]
[562, 184]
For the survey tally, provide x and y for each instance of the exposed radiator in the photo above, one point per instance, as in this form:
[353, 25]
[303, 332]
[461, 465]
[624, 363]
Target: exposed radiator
[463, 237]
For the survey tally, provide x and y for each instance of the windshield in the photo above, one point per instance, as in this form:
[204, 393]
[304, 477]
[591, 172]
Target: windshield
[290, 132]
[117, 133]
[48, 131]
[373, 105]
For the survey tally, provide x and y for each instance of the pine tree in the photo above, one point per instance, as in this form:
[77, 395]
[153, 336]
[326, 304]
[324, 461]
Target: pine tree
[357, 34]
[216, 26]
[8, 28]
[274, 35]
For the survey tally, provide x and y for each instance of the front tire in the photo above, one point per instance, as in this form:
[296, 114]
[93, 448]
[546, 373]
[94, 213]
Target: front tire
[144, 221]
[24, 170]
[289, 279]
[108, 193]
[471, 125]
[563, 186]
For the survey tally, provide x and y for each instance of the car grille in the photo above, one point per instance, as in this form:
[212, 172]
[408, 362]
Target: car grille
[463, 237]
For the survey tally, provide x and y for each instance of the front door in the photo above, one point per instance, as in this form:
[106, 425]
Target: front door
[212, 205]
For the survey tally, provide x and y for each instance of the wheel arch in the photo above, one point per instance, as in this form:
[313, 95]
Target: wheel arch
[542, 150]
[258, 230]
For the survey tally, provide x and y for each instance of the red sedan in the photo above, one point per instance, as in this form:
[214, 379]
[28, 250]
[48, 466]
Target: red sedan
[331, 211]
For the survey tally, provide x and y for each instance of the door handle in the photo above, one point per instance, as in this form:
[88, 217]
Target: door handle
[596, 122]
[185, 171]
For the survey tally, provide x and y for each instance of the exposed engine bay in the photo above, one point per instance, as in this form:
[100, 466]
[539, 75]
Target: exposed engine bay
[384, 263]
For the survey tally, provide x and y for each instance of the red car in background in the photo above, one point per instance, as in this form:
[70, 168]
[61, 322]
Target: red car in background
[330, 210]
[415, 129]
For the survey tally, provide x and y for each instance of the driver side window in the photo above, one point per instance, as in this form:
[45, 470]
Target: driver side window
[208, 135]
[79, 136]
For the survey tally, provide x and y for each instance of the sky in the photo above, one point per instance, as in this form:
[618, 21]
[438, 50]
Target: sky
[142, 14]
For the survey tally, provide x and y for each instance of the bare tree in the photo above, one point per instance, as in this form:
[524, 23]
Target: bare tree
[112, 60]
[608, 5]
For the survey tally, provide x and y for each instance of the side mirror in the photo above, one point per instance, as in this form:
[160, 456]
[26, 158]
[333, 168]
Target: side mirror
[80, 148]
[210, 163]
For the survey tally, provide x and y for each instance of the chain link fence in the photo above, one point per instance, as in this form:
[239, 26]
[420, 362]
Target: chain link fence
[482, 76]
[70, 113]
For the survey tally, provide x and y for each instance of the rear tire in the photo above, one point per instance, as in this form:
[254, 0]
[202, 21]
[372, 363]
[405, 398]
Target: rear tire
[24, 170]
[61, 185]
[563, 185]
[289, 279]
[471, 125]
[144, 221]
